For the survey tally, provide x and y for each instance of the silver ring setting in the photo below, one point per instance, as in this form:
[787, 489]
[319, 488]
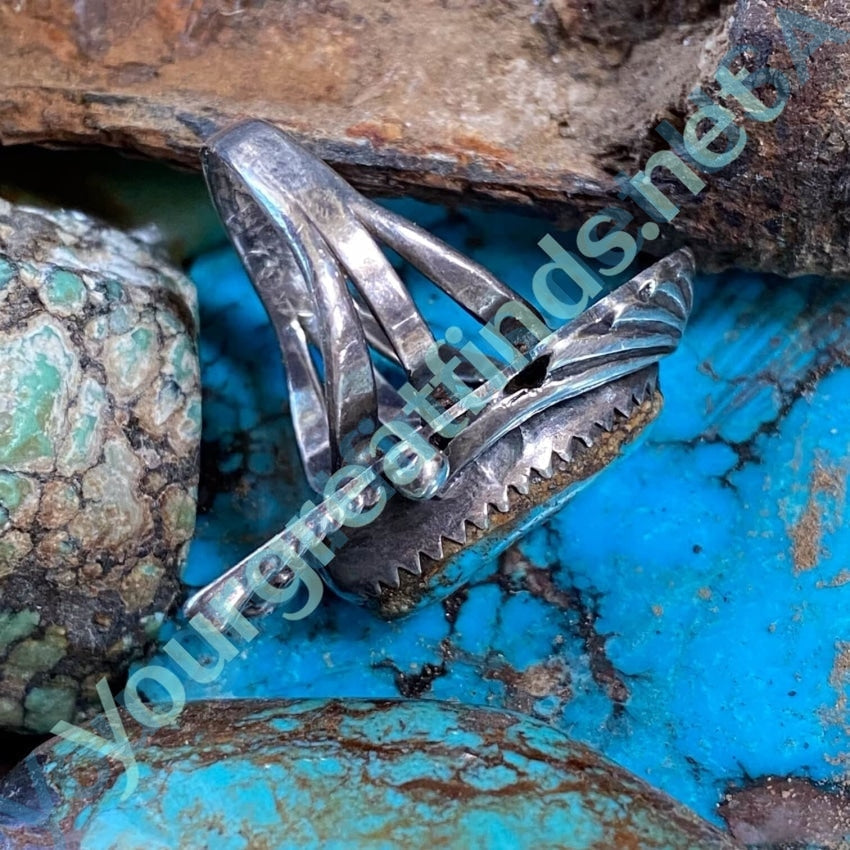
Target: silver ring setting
[473, 423]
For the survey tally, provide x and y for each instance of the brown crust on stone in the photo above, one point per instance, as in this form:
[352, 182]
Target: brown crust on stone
[500, 102]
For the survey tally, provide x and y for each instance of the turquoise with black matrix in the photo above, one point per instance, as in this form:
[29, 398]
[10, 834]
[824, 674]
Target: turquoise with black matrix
[99, 434]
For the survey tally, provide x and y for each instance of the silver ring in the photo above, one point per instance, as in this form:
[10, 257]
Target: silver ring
[310, 244]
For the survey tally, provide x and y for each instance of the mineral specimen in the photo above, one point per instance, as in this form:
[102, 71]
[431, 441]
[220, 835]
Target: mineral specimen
[541, 104]
[99, 435]
[687, 614]
[327, 774]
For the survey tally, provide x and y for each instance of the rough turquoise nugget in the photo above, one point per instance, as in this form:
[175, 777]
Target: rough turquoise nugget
[688, 614]
[99, 435]
[247, 775]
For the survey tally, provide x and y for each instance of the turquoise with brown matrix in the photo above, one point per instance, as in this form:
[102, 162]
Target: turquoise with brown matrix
[240, 774]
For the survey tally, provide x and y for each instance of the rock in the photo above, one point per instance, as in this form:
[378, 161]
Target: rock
[99, 434]
[537, 104]
[687, 614]
[330, 773]
[780, 811]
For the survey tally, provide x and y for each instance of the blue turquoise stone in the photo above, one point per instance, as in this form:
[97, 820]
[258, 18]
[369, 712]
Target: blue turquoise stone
[688, 614]
[332, 774]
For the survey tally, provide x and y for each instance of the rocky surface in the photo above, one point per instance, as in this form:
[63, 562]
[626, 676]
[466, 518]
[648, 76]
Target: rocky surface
[686, 614]
[785, 811]
[99, 435]
[418, 774]
[540, 104]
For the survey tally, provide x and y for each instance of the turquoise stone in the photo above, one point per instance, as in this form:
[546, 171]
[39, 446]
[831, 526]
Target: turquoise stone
[333, 774]
[99, 437]
[687, 614]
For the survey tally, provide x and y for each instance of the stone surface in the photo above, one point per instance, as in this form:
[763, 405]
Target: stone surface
[344, 774]
[99, 434]
[785, 811]
[540, 104]
[687, 614]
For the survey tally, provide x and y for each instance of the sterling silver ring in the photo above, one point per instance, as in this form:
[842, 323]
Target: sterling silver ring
[471, 421]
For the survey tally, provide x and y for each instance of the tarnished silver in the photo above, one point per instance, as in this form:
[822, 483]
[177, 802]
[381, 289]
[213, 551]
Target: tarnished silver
[310, 245]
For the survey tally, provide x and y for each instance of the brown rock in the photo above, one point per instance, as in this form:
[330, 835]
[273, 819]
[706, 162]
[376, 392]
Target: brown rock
[540, 105]
[775, 812]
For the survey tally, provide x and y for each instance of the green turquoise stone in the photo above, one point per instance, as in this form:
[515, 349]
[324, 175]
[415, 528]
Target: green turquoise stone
[99, 434]
[333, 774]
